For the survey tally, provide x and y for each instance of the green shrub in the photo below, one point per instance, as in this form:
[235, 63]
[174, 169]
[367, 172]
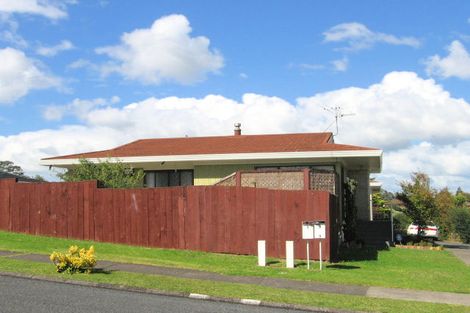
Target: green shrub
[76, 260]
[424, 243]
[109, 174]
[461, 221]
[400, 222]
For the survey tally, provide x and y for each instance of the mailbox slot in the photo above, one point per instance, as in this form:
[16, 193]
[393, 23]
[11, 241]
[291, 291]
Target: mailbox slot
[313, 230]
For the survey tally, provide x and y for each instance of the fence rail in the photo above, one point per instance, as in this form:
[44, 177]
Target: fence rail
[206, 218]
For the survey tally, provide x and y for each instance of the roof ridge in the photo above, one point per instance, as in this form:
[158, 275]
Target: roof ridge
[234, 136]
[126, 144]
[345, 145]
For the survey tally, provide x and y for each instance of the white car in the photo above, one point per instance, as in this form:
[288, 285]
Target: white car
[430, 231]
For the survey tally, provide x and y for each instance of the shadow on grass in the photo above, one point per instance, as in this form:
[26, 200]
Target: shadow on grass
[362, 254]
[343, 267]
[272, 263]
[102, 271]
[301, 264]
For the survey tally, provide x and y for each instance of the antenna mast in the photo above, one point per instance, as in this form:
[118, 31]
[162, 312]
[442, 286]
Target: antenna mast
[338, 113]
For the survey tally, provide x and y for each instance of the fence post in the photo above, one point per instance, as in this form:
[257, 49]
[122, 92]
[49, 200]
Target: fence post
[306, 172]
[238, 179]
[5, 206]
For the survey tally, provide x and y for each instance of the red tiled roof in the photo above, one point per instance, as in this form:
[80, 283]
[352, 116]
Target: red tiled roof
[221, 145]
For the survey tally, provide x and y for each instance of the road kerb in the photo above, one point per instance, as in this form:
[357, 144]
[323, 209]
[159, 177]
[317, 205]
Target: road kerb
[199, 296]
[250, 301]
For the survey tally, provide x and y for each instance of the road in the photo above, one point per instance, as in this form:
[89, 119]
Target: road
[460, 250]
[27, 295]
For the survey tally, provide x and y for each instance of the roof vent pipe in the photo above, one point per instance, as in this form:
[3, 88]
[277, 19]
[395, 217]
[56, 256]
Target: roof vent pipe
[237, 131]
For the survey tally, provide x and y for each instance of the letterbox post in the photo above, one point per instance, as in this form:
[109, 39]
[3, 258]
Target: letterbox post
[319, 232]
[307, 234]
[308, 254]
[320, 255]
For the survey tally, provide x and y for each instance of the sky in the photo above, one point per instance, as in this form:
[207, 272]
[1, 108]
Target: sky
[78, 76]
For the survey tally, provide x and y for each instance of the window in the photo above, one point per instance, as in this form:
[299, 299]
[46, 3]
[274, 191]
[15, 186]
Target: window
[168, 178]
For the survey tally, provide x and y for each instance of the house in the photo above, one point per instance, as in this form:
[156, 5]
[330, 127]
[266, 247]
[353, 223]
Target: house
[374, 187]
[19, 178]
[213, 160]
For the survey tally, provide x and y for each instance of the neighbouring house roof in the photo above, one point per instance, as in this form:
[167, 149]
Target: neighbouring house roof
[17, 177]
[222, 147]
[375, 185]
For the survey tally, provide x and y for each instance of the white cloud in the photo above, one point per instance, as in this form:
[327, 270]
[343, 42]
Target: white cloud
[20, 74]
[359, 37]
[453, 159]
[163, 52]
[47, 8]
[9, 32]
[27, 148]
[417, 123]
[64, 45]
[456, 64]
[179, 116]
[340, 65]
[400, 110]
[448, 165]
[84, 64]
[79, 108]
[307, 66]
[243, 76]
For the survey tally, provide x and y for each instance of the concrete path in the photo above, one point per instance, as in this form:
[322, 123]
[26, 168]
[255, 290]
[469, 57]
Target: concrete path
[375, 292]
[460, 250]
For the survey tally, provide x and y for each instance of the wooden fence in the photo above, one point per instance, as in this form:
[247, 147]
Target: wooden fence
[206, 218]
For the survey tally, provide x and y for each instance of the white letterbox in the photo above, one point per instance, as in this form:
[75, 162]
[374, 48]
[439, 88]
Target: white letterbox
[307, 230]
[313, 230]
[319, 230]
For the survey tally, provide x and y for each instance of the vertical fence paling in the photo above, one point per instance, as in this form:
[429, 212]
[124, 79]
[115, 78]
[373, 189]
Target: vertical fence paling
[207, 218]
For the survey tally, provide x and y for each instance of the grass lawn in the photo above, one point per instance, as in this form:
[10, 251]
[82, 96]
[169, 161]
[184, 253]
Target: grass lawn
[229, 290]
[401, 268]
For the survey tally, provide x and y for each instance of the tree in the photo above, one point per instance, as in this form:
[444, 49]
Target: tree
[460, 198]
[39, 178]
[461, 221]
[11, 168]
[108, 174]
[418, 199]
[444, 203]
[378, 202]
[387, 195]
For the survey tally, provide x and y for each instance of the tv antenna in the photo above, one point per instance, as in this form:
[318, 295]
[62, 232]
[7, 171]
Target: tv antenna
[338, 113]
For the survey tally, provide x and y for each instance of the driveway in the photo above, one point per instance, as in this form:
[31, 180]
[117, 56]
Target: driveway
[460, 250]
[26, 295]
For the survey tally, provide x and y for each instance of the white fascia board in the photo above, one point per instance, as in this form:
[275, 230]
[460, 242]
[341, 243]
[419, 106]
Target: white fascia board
[227, 157]
[375, 184]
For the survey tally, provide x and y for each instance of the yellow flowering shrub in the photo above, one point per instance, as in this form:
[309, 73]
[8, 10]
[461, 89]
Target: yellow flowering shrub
[76, 260]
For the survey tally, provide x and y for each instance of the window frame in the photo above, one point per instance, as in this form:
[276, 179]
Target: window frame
[168, 172]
